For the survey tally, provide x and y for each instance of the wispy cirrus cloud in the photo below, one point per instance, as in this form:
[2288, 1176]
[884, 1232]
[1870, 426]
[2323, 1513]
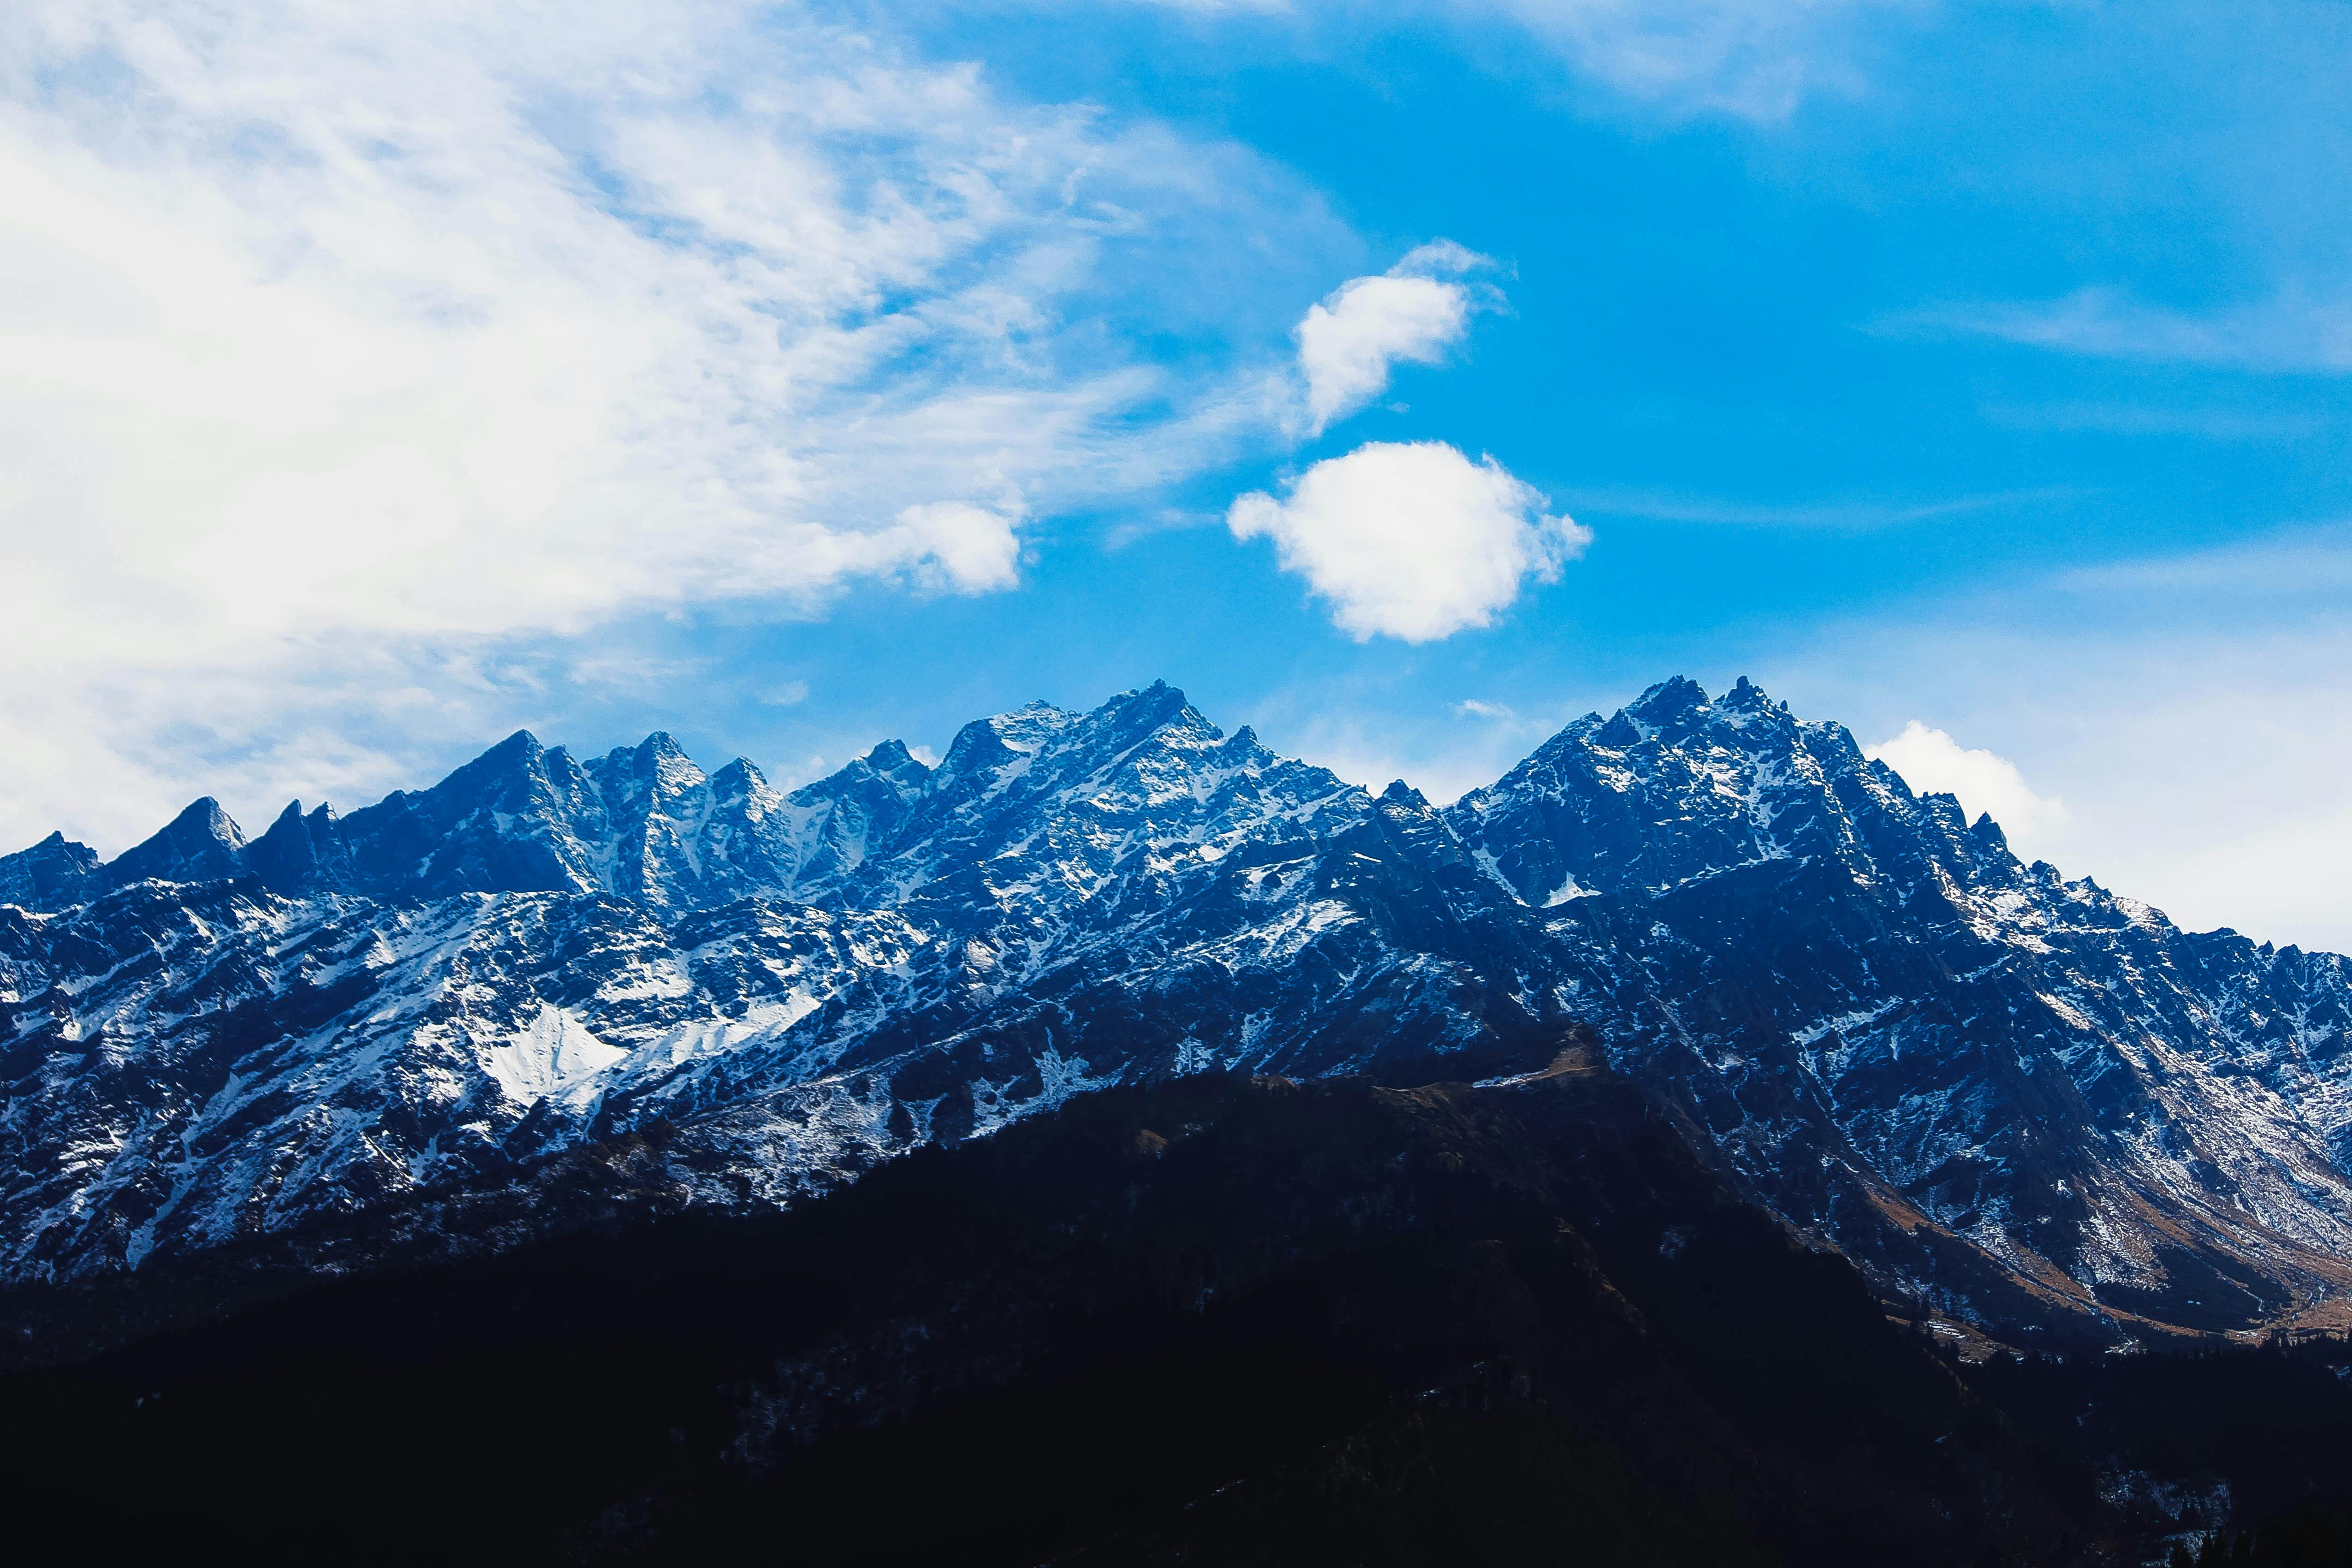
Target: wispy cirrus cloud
[343, 353]
[2294, 331]
[1825, 514]
[2290, 563]
[1751, 60]
[2205, 421]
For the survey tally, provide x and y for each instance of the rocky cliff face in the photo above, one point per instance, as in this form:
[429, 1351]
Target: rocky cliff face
[2024, 1098]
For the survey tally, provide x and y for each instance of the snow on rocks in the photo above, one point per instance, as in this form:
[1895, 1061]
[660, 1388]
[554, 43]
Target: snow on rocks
[1893, 1029]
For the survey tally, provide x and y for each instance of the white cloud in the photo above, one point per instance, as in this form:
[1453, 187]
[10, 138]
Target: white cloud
[1412, 541]
[1931, 762]
[1349, 343]
[347, 349]
[962, 549]
[1476, 708]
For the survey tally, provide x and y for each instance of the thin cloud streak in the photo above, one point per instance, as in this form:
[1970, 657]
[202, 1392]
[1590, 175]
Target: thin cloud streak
[2291, 334]
[1657, 508]
[2292, 565]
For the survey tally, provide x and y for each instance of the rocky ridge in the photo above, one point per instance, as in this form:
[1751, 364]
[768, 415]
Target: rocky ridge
[2021, 1098]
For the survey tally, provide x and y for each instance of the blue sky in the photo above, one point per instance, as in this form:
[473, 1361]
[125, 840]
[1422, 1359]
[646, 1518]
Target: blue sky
[791, 377]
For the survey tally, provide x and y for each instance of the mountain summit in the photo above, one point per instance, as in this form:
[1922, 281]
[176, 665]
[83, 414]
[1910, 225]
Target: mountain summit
[2010, 1097]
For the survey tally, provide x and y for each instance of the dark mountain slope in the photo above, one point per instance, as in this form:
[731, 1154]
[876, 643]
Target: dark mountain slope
[1213, 1321]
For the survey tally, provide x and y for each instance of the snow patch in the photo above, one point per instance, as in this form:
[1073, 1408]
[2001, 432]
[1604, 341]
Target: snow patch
[553, 1053]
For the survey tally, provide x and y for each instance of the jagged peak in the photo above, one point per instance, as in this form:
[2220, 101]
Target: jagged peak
[979, 744]
[1668, 699]
[660, 743]
[1037, 725]
[657, 760]
[55, 849]
[294, 818]
[201, 843]
[1246, 746]
[890, 762]
[520, 753]
[205, 816]
[54, 842]
[1159, 696]
[741, 785]
[1745, 696]
[893, 757]
[47, 874]
[1029, 728]
[1133, 715]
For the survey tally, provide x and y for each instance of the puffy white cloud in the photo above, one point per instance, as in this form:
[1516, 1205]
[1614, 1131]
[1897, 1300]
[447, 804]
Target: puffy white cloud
[963, 549]
[1410, 540]
[1931, 762]
[348, 351]
[1349, 343]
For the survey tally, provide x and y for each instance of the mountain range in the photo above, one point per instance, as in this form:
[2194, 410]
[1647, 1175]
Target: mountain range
[444, 1023]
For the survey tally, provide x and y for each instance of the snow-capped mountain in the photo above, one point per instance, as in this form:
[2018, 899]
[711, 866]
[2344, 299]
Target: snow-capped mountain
[2020, 1097]
[1901, 1035]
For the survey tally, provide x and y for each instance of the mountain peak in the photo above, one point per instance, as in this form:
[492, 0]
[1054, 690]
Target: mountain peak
[657, 761]
[1026, 729]
[50, 875]
[893, 758]
[200, 844]
[301, 854]
[1745, 696]
[737, 776]
[1136, 713]
[1668, 699]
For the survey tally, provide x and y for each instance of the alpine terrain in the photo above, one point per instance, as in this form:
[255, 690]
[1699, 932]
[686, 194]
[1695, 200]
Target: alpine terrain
[552, 987]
